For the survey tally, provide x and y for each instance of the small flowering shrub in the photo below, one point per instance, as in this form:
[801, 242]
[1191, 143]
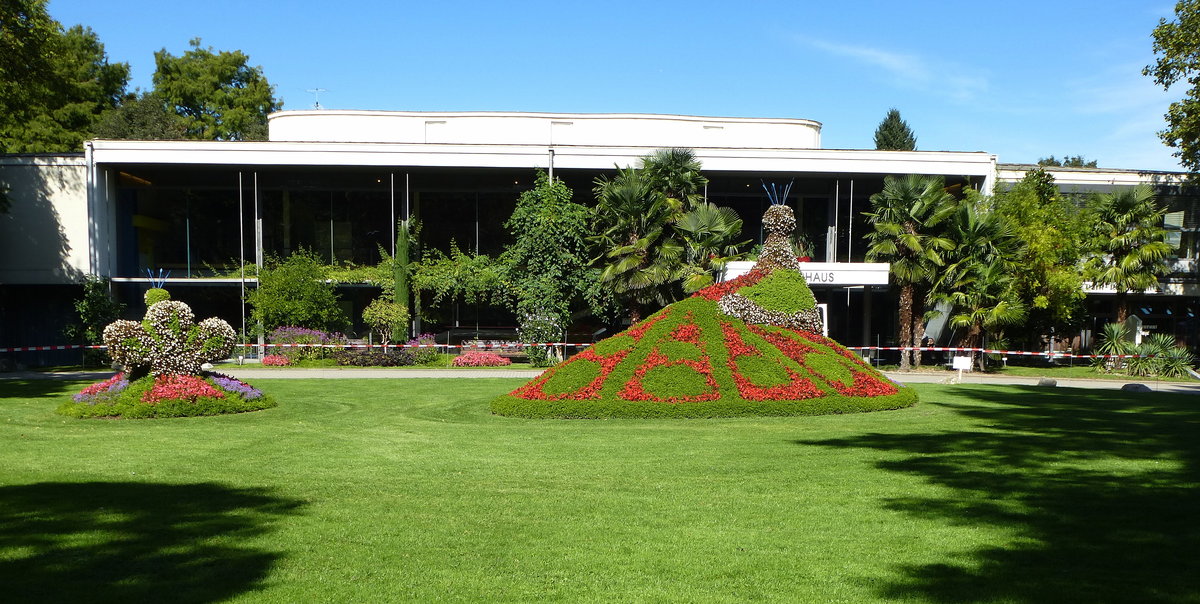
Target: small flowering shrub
[317, 344]
[168, 395]
[427, 353]
[480, 359]
[276, 360]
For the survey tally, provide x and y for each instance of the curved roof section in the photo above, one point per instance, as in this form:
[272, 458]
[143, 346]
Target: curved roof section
[551, 129]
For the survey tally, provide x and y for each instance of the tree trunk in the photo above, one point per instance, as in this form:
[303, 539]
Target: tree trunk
[635, 313]
[906, 308]
[1122, 306]
[918, 328]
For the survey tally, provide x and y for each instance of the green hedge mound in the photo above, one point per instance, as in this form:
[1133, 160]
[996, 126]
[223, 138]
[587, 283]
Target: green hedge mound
[689, 360]
[165, 396]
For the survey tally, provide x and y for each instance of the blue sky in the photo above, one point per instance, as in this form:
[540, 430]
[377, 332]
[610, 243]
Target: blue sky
[1020, 79]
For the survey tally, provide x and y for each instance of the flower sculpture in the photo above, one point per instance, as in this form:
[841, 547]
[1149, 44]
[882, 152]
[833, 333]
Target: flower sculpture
[168, 341]
[162, 373]
[748, 346]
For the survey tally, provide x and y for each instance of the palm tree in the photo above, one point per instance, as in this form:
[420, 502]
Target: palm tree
[902, 217]
[977, 280]
[1130, 235]
[638, 258]
[708, 233]
[675, 172]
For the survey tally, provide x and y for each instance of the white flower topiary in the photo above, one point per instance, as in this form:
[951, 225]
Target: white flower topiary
[168, 341]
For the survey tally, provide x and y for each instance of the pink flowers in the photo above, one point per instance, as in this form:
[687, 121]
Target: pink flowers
[276, 360]
[181, 387]
[480, 359]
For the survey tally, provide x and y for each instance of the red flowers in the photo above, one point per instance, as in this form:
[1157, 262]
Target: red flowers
[182, 387]
[718, 290]
[796, 388]
[533, 390]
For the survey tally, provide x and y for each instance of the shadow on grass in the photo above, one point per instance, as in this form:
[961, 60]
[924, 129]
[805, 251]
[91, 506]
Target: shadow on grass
[22, 388]
[1100, 489]
[133, 542]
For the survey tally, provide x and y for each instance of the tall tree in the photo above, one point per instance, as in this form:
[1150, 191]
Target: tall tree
[547, 263]
[54, 83]
[904, 217]
[217, 94]
[1131, 238]
[1177, 47]
[1055, 236]
[893, 133]
[639, 260]
[976, 281]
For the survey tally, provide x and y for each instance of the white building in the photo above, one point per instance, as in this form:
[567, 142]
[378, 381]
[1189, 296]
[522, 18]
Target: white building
[336, 181]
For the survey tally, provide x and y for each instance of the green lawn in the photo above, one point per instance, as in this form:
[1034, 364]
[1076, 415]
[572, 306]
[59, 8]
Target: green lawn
[408, 490]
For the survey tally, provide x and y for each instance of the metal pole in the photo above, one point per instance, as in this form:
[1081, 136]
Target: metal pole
[392, 197]
[242, 253]
[258, 258]
[850, 224]
[552, 157]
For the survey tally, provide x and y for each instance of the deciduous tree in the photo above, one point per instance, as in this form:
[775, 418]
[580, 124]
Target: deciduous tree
[1177, 46]
[54, 82]
[217, 94]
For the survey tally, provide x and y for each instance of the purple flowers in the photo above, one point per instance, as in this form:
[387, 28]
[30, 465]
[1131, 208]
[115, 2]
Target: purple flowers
[235, 386]
[101, 391]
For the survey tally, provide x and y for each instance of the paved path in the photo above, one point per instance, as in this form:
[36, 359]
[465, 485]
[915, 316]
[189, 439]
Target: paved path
[250, 372]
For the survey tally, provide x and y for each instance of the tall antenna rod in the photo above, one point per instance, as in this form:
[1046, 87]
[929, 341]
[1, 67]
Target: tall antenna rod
[316, 96]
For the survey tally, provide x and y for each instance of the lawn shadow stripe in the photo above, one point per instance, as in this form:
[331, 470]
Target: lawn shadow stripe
[135, 542]
[1100, 489]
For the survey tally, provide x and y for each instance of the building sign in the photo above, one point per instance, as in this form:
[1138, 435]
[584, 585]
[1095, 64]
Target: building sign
[827, 273]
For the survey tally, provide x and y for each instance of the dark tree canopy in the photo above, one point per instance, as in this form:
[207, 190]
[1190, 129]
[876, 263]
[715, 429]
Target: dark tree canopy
[54, 82]
[1068, 161]
[218, 96]
[1177, 47]
[893, 133]
[141, 117]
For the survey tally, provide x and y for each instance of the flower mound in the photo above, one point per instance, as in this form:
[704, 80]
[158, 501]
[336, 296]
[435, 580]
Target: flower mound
[167, 395]
[480, 359]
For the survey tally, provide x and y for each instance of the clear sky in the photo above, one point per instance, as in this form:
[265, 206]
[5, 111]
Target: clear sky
[1021, 79]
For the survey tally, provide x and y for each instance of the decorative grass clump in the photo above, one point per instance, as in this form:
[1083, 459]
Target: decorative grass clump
[691, 361]
[165, 396]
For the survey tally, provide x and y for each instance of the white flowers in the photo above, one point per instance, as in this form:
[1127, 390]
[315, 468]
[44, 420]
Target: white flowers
[168, 341]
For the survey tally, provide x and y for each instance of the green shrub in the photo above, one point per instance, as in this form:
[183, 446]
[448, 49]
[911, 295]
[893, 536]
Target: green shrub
[155, 295]
[781, 291]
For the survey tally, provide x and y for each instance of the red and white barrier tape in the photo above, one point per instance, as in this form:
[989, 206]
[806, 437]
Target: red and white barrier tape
[1057, 355]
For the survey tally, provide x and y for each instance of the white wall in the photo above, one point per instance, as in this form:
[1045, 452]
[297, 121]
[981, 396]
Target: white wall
[557, 129]
[44, 235]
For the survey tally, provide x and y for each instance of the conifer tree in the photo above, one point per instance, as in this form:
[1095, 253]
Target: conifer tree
[893, 133]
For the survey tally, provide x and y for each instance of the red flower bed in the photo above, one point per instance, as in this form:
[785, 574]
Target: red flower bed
[480, 359]
[181, 387]
[796, 388]
[716, 291]
[533, 390]
[864, 383]
[688, 332]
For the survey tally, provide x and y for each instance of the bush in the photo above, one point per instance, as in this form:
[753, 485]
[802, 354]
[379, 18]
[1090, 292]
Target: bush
[296, 292]
[480, 359]
[367, 357]
[276, 360]
[387, 318]
[424, 356]
[168, 395]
